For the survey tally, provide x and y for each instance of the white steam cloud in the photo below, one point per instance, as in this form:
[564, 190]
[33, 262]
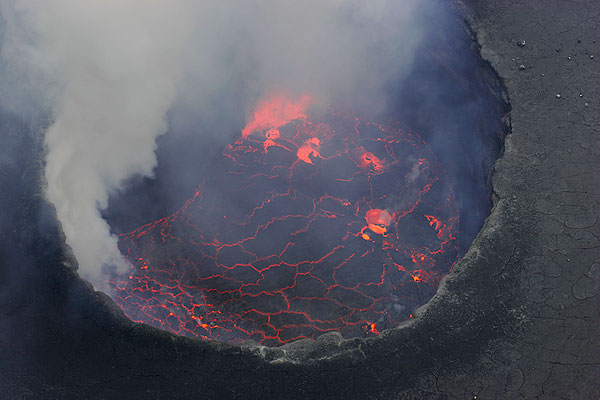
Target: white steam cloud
[107, 72]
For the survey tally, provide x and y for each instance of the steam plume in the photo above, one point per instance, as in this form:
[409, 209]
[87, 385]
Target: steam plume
[107, 72]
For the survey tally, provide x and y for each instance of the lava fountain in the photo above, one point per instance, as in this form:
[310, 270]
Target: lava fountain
[311, 222]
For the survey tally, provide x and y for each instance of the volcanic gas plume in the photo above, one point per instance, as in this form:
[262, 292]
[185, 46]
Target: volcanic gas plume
[311, 222]
[103, 77]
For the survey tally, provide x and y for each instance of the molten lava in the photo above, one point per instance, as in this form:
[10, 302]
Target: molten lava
[369, 160]
[378, 221]
[274, 247]
[276, 111]
[310, 148]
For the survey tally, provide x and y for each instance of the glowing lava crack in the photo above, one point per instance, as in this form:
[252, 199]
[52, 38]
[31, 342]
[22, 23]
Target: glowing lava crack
[309, 225]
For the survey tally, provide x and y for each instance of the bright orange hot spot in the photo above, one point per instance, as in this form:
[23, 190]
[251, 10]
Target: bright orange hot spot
[369, 160]
[378, 220]
[276, 111]
[308, 149]
[422, 275]
[372, 328]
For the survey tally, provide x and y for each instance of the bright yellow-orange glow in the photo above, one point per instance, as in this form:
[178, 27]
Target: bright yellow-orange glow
[373, 328]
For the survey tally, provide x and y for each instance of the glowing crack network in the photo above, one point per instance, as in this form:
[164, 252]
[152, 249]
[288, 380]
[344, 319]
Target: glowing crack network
[313, 222]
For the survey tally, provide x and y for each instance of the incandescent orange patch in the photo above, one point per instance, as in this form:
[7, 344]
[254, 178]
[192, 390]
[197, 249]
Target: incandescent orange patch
[372, 328]
[276, 111]
[308, 149]
[369, 160]
[378, 220]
